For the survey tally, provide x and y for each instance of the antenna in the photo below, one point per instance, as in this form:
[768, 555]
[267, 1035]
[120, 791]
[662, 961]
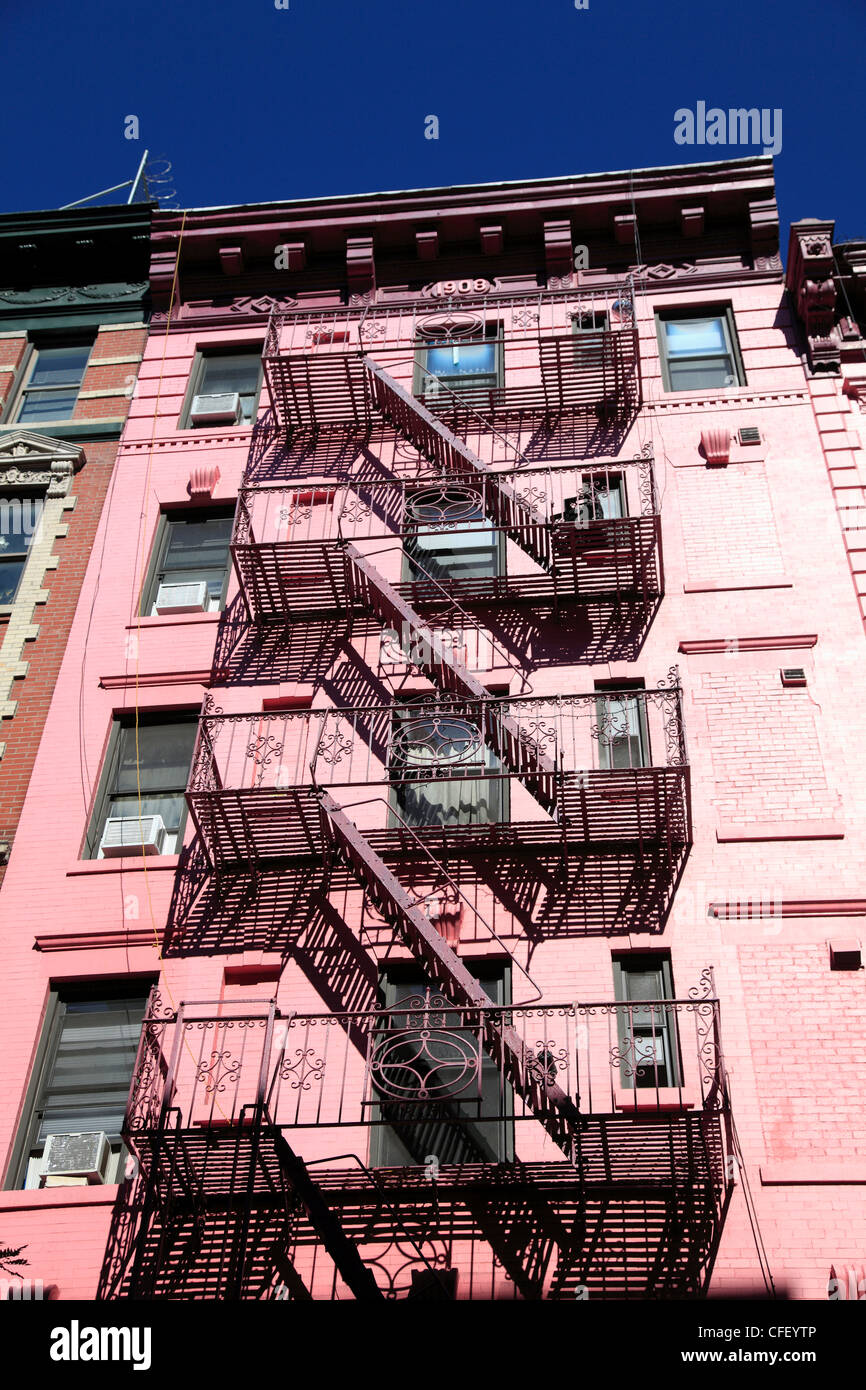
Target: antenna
[152, 183]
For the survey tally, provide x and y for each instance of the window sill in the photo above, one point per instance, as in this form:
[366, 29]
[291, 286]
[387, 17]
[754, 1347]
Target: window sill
[125, 864]
[35, 1198]
[665, 1100]
[175, 620]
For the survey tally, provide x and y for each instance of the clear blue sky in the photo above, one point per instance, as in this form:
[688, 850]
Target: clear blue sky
[252, 103]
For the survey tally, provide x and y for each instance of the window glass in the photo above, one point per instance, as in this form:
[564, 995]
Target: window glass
[88, 1084]
[622, 732]
[225, 373]
[53, 386]
[648, 1036]
[455, 540]
[438, 763]
[164, 754]
[194, 550]
[19, 520]
[698, 353]
[439, 1050]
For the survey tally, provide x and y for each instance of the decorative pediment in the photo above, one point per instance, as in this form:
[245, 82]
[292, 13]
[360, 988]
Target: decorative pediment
[37, 460]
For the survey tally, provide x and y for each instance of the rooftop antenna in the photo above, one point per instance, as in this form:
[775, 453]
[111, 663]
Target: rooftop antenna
[151, 184]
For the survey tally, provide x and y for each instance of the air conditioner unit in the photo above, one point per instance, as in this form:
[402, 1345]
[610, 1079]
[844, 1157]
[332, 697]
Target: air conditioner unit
[75, 1160]
[132, 835]
[182, 598]
[223, 409]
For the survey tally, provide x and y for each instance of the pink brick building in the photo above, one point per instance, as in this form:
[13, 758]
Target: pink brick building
[456, 729]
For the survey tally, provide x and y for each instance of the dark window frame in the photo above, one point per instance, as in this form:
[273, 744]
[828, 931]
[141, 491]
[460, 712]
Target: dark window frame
[99, 811]
[724, 312]
[486, 970]
[60, 996]
[196, 377]
[665, 1027]
[41, 342]
[162, 536]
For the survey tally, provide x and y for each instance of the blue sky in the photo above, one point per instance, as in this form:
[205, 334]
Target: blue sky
[252, 103]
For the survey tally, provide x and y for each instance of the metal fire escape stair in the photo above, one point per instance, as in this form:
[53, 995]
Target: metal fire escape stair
[540, 776]
[451, 455]
[527, 1073]
[341, 1249]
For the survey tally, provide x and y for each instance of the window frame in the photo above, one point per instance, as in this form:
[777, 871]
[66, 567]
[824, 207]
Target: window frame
[394, 973]
[159, 550]
[603, 695]
[24, 494]
[421, 375]
[497, 549]
[37, 343]
[644, 962]
[98, 815]
[396, 816]
[723, 312]
[196, 377]
[51, 1030]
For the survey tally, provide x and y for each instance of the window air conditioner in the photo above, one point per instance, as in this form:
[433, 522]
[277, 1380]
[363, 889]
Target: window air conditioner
[131, 835]
[182, 598]
[73, 1160]
[223, 409]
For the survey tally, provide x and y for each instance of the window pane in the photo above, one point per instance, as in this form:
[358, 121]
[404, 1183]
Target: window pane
[694, 337]
[198, 542]
[462, 360]
[60, 366]
[707, 372]
[236, 372]
[89, 1081]
[10, 577]
[169, 807]
[48, 405]
[165, 753]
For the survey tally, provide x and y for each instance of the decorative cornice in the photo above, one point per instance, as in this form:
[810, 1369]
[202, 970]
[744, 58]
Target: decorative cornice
[558, 255]
[811, 281]
[748, 644]
[733, 910]
[28, 460]
[94, 940]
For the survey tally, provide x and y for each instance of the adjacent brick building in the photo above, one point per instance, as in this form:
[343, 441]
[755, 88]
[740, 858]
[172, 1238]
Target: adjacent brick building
[72, 330]
[456, 730]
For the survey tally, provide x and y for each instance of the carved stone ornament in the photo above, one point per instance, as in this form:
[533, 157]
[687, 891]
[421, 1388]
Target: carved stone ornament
[451, 289]
[35, 460]
[811, 281]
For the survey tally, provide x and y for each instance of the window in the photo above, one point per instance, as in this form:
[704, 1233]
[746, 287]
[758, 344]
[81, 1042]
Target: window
[459, 365]
[219, 373]
[648, 1035]
[191, 548]
[52, 383]
[165, 746]
[452, 538]
[438, 765]
[699, 351]
[82, 1081]
[623, 739]
[19, 520]
[599, 499]
[468, 1118]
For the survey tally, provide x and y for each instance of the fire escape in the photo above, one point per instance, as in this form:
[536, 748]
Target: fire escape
[622, 1113]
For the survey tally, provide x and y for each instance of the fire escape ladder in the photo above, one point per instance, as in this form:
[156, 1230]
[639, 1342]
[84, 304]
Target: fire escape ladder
[341, 1249]
[537, 772]
[526, 1072]
[437, 443]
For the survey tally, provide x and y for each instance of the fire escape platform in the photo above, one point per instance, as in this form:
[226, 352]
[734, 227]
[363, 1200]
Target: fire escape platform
[602, 560]
[595, 374]
[633, 809]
